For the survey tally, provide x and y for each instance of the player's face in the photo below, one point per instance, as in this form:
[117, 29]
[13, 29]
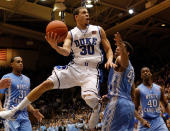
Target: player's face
[83, 16]
[17, 65]
[145, 73]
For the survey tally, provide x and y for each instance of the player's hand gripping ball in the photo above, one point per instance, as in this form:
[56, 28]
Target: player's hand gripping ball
[58, 27]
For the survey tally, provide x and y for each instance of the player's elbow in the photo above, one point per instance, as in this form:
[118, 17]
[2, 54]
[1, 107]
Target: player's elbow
[66, 52]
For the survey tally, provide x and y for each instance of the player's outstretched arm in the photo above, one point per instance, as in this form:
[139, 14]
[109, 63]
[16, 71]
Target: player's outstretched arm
[5, 83]
[124, 59]
[52, 39]
[135, 94]
[107, 49]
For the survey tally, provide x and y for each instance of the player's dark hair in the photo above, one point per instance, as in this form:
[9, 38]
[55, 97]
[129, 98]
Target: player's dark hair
[143, 68]
[13, 58]
[76, 11]
[129, 47]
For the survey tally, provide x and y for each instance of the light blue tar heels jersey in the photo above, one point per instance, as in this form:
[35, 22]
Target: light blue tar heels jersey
[149, 99]
[120, 83]
[86, 46]
[20, 87]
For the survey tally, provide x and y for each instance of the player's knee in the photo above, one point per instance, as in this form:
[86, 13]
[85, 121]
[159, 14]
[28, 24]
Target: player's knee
[92, 101]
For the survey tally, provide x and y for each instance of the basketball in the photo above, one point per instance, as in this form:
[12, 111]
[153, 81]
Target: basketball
[58, 27]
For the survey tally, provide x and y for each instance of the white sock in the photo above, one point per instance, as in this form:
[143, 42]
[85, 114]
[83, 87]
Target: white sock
[24, 103]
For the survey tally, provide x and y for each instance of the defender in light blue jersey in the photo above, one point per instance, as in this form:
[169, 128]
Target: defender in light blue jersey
[119, 113]
[20, 87]
[149, 95]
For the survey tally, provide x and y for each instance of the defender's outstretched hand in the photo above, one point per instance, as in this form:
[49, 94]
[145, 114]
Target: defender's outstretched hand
[104, 99]
[108, 64]
[118, 39]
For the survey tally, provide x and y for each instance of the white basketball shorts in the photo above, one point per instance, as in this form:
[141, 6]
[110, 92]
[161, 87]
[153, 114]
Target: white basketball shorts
[73, 75]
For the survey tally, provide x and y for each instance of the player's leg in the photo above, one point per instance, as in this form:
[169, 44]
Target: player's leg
[119, 115]
[159, 124]
[140, 127]
[25, 125]
[61, 78]
[163, 127]
[131, 116]
[92, 101]
[109, 114]
[11, 125]
[31, 97]
[90, 95]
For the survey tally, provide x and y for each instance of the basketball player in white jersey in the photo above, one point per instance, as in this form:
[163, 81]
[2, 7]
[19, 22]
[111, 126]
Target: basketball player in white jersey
[84, 41]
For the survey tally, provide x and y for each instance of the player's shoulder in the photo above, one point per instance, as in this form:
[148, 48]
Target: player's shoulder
[90, 25]
[139, 89]
[8, 75]
[25, 77]
[94, 27]
[156, 85]
[130, 64]
[75, 29]
[139, 86]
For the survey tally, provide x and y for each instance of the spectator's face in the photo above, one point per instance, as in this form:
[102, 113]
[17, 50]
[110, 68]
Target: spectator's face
[145, 73]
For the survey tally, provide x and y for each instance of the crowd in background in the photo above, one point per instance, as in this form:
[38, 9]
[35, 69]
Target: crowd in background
[64, 107]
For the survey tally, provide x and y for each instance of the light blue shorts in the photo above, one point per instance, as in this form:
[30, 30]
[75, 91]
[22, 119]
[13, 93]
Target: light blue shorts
[157, 124]
[119, 115]
[18, 125]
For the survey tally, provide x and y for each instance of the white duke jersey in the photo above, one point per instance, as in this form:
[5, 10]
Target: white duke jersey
[86, 46]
